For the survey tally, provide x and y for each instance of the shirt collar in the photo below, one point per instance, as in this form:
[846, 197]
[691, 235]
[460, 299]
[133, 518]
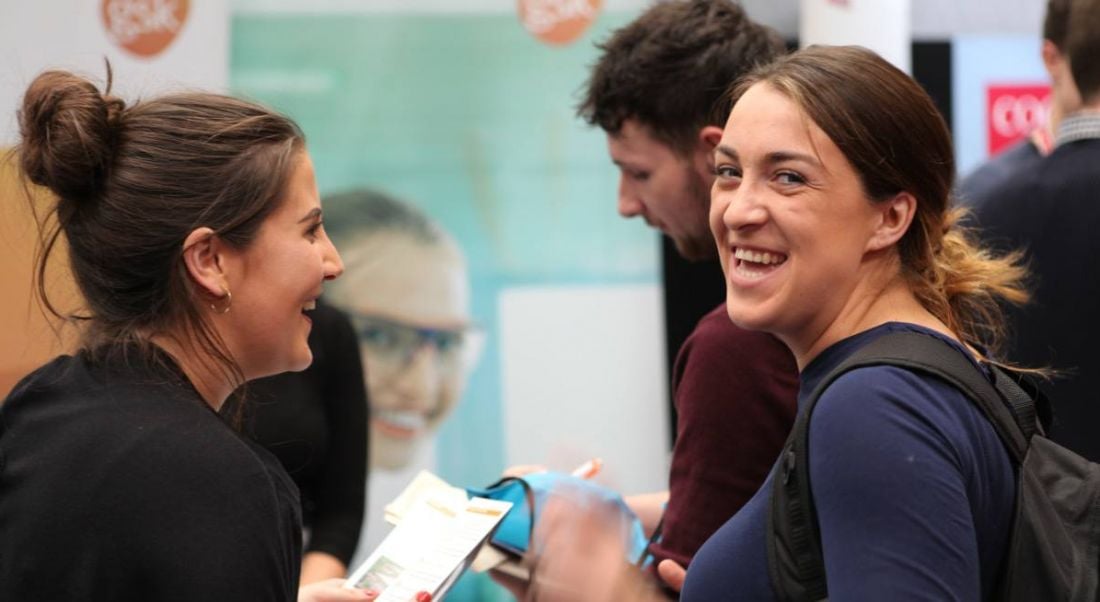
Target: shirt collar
[1082, 125]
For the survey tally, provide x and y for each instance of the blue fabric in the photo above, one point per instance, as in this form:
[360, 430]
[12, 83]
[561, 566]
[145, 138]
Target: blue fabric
[913, 489]
[985, 184]
[514, 530]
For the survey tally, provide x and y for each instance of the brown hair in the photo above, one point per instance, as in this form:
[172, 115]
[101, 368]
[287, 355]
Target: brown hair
[896, 140]
[131, 183]
[1083, 48]
[1056, 23]
[670, 66]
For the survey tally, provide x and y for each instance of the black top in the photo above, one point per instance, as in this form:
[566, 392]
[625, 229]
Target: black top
[1053, 212]
[118, 482]
[315, 422]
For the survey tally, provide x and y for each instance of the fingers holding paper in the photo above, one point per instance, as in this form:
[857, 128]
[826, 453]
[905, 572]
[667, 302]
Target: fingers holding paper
[333, 590]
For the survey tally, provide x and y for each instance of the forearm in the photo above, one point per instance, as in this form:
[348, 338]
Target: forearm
[319, 566]
[649, 507]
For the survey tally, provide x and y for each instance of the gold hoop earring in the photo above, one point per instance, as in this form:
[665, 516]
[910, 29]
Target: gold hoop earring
[228, 303]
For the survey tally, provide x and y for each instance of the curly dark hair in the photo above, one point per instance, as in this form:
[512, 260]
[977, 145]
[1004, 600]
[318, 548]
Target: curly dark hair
[670, 68]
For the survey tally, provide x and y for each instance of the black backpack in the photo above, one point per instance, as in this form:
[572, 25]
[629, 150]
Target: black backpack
[1054, 550]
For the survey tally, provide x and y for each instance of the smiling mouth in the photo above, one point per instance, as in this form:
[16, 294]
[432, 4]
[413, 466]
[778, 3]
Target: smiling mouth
[307, 309]
[399, 424]
[754, 265]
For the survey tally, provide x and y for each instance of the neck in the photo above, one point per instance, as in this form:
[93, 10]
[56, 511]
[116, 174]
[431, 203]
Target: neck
[873, 302]
[1092, 108]
[209, 380]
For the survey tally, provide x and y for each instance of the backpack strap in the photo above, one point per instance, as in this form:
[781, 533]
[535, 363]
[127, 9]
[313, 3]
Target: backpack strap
[795, 561]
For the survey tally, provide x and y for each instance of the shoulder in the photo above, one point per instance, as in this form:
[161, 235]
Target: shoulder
[1072, 166]
[41, 379]
[719, 339]
[872, 390]
[875, 408]
[1012, 191]
[985, 182]
[721, 364]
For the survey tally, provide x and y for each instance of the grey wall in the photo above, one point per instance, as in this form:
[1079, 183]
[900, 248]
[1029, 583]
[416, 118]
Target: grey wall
[932, 19]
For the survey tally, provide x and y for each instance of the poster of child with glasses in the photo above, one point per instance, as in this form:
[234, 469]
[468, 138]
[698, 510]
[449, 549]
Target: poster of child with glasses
[406, 290]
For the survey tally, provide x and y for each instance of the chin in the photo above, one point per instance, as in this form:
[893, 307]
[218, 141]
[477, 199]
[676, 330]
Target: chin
[390, 454]
[748, 319]
[302, 360]
[695, 250]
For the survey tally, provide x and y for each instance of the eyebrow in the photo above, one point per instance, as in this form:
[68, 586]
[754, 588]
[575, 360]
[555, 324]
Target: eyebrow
[314, 213]
[772, 157]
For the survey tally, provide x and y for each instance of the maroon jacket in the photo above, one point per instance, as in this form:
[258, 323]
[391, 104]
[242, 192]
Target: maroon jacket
[735, 393]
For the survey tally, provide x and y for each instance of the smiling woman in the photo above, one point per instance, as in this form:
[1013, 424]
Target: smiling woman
[194, 233]
[833, 219]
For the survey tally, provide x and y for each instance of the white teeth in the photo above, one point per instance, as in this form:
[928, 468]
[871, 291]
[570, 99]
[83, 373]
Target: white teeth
[312, 305]
[764, 257]
[745, 272]
[409, 420]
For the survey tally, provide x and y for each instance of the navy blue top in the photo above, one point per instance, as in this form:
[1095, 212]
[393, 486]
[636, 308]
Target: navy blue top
[914, 492]
[986, 184]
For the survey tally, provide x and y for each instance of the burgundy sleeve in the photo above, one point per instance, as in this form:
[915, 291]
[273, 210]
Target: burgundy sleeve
[735, 393]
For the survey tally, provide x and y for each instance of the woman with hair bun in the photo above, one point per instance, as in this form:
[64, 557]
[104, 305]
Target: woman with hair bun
[194, 233]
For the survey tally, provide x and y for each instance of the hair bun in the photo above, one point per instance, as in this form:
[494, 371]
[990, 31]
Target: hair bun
[68, 131]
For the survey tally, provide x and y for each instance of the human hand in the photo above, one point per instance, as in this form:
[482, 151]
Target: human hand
[514, 585]
[333, 590]
[672, 573]
[582, 546]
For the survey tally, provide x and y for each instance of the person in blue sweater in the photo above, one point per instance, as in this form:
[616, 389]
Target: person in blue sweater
[834, 222]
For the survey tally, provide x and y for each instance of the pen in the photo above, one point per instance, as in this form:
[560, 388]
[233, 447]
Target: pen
[589, 469]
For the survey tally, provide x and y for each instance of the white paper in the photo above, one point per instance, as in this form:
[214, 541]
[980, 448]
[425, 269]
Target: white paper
[434, 540]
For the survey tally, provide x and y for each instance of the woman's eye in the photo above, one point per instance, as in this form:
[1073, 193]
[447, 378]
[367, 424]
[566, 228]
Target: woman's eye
[727, 171]
[789, 177]
[313, 230]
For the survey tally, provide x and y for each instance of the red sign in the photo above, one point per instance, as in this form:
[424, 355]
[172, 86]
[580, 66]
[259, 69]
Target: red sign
[1014, 111]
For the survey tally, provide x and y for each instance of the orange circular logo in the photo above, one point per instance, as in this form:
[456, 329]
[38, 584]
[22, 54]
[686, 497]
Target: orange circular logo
[558, 22]
[143, 27]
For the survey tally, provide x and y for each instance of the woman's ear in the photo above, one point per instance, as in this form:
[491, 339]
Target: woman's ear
[201, 255]
[894, 217]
